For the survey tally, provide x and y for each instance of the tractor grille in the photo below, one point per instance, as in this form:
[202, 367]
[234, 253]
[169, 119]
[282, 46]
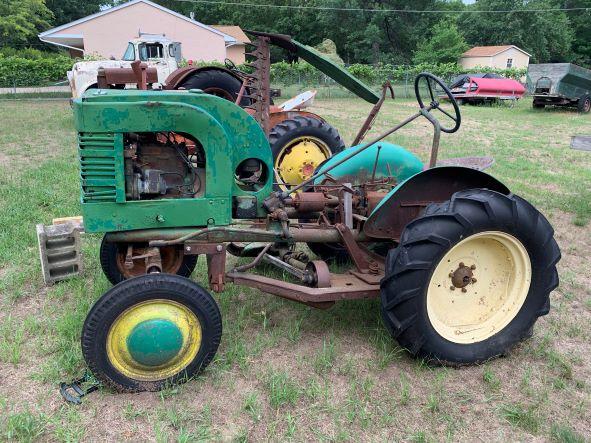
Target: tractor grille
[101, 168]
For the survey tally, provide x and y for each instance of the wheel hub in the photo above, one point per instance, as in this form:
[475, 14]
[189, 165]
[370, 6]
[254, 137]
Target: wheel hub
[483, 306]
[462, 276]
[298, 160]
[153, 340]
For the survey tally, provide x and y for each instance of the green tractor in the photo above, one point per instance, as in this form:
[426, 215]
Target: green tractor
[463, 266]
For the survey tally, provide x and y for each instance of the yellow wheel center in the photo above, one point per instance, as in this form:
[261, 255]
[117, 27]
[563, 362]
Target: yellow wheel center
[298, 160]
[478, 287]
[154, 340]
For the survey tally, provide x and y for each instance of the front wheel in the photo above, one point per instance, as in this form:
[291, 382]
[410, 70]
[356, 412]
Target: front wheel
[150, 332]
[470, 277]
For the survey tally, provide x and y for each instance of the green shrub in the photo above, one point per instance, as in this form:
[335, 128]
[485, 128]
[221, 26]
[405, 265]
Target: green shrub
[16, 70]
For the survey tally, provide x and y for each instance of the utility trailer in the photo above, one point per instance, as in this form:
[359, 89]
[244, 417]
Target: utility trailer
[560, 84]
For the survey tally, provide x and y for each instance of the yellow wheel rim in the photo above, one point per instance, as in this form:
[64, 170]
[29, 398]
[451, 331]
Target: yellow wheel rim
[298, 159]
[478, 287]
[154, 340]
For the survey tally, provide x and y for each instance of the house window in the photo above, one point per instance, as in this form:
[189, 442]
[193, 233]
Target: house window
[509, 63]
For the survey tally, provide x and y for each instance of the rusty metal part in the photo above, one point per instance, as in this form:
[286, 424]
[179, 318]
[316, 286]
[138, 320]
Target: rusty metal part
[139, 73]
[462, 276]
[436, 136]
[216, 262]
[298, 273]
[255, 262]
[387, 86]
[430, 186]
[373, 198]
[343, 287]
[319, 273]
[153, 260]
[302, 232]
[312, 201]
[358, 256]
[260, 86]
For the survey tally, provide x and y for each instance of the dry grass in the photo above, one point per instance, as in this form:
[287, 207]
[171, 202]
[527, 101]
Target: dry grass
[285, 371]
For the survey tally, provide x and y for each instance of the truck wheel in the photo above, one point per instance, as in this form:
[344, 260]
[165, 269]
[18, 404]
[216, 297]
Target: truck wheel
[150, 332]
[112, 258]
[537, 105]
[299, 145]
[215, 82]
[470, 277]
[584, 105]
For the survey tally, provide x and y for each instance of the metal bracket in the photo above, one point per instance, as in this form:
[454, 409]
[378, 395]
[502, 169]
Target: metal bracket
[73, 392]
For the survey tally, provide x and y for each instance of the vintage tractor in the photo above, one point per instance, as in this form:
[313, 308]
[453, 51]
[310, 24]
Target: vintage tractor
[300, 140]
[463, 266]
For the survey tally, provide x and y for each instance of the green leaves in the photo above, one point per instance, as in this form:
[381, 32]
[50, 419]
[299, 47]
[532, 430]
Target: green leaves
[21, 20]
[20, 71]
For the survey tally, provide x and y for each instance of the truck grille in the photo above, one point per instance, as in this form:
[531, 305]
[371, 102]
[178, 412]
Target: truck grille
[101, 168]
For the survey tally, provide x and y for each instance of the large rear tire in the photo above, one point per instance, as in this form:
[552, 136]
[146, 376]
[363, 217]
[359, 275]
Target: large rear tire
[215, 82]
[470, 277]
[299, 145]
[150, 332]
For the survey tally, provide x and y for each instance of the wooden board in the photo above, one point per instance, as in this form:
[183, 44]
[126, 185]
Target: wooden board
[581, 142]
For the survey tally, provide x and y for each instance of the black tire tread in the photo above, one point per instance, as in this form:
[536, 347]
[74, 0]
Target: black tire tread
[125, 292]
[410, 264]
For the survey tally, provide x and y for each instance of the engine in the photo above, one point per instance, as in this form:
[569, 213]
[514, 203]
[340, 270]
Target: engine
[163, 165]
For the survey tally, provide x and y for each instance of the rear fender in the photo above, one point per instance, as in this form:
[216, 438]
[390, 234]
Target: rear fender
[408, 200]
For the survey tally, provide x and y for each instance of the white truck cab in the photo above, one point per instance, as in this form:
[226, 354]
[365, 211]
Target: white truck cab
[155, 50]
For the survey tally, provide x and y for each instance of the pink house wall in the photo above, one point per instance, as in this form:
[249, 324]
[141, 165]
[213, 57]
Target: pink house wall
[108, 34]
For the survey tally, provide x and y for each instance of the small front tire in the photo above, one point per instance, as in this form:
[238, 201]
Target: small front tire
[150, 332]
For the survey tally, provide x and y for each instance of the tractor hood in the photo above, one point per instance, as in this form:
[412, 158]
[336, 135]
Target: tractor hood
[332, 70]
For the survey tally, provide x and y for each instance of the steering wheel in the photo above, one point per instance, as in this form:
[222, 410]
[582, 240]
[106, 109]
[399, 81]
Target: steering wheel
[435, 102]
[230, 65]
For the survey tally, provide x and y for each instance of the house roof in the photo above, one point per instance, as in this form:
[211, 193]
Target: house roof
[234, 31]
[490, 51]
[56, 34]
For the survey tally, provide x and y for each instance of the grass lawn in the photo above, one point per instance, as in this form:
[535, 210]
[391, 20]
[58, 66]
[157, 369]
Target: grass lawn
[283, 370]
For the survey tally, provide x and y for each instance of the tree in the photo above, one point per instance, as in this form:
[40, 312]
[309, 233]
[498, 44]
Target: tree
[446, 45]
[65, 11]
[547, 36]
[21, 21]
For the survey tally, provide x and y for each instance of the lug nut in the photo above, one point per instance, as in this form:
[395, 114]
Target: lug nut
[453, 288]
[473, 267]
[464, 290]
[461, 264]
[451, 274]
[473, 280]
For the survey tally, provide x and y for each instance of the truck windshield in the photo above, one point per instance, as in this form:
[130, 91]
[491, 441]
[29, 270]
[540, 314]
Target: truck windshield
[129, 53]
[150, 50]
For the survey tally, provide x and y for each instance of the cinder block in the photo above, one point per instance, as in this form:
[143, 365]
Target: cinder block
[60, 251]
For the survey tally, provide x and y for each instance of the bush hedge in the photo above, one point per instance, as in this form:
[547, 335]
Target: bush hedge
[35, 68]
[302, 72]
[40, 71]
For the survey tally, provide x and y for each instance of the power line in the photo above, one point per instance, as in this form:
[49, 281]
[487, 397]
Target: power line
[402, 11]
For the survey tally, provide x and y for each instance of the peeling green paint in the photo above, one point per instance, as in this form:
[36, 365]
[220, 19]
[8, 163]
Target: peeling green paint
[228, 135]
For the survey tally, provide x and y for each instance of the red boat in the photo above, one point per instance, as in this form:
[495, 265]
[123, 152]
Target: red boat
[479, 90]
